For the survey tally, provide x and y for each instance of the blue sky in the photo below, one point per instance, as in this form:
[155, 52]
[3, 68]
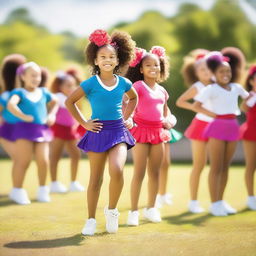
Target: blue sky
[83, 16]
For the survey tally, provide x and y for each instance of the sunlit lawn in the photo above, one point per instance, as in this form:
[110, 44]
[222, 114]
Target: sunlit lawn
[54, 228]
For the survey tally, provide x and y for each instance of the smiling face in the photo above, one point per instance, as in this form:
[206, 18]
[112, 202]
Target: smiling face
[106, 59]
[31, 77]
[223, 74]
[68, 85]
[150, 67]
[202, 72]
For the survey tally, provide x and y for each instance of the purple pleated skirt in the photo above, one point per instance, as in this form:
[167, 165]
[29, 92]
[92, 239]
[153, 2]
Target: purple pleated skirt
[113, 132]
[7, 131]
[32, 132]
[223, 129]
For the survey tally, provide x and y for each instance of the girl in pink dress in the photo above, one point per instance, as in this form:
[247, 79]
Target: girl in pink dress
[146, 70]
[248, 135]
[196, 74]
[65, 134]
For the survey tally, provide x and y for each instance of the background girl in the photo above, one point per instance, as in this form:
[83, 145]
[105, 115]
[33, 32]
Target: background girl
[223, 131]
[248, 135]
[150, 117]
[106, 136]
[31, 133]
[196, 73]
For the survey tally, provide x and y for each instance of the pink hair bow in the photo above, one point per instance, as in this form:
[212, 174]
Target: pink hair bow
[139, 54]
[158, 50]
[100, 37]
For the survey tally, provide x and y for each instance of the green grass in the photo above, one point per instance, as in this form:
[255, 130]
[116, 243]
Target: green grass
[54, 228]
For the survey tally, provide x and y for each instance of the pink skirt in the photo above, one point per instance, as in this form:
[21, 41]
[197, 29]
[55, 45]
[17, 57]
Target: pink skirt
[223, 129]
[151, 132]
[65, 132]
[196, 129]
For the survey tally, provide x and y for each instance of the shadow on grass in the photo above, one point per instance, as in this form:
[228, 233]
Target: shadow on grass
[5, 201]
[188, 218]
[51, 243]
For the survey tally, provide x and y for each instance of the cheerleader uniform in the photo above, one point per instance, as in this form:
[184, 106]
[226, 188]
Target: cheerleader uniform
[224, 103]
[106, 104]
[248, 129]
[34, 104]
[195, 131]
[9, 120]
[148, 116]
[65, 126]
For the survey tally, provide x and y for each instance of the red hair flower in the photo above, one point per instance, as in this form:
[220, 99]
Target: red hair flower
[139, 54]
[158, 50]
[100, 37]
[252, 70]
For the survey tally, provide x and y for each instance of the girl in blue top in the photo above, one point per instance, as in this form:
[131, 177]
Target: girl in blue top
[106, 136]
[31, 133]
[8, 75]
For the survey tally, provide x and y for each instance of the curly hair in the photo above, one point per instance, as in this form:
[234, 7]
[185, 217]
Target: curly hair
[247, 84]
[188, 70]
[10, 65]
[73, 72]
[58, 81]
[236, 62]
[134, 74]
[44, 77]
[123, 45]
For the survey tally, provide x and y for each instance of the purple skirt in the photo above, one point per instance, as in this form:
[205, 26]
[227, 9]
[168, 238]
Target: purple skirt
[7, 131]
[32, 132]
[112, 133]
[223, 129]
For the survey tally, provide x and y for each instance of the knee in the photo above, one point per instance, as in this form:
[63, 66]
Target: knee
[116, 174]
[96, 184]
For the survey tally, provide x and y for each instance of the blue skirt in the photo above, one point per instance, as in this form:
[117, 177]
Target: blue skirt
[113, 132]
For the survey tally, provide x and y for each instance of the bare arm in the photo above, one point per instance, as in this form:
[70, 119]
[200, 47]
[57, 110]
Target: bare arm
[12, 106]
[183, 100]
[197, 106]
[90, 125]
[53, 108]
[132, 103]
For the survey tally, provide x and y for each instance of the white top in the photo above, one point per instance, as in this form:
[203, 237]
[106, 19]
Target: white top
[252, 101]
[61, 99]
[222, 101]
[199, 86]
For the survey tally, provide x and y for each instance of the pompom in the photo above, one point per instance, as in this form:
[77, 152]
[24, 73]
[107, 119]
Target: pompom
[100, 37]
[139, 54]
[252, 70]
[158, 50]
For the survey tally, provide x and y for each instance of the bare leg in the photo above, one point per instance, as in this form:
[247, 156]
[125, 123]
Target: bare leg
[229, 153]
[75, 155]
[199, 155]
[117, 157]
[154, 164]
[163, 175]
[216, 155]
[140, 154]
[42, 160]
[56, 148]
[9, 147]
[250, 160]
[97, 164]
[24, 153]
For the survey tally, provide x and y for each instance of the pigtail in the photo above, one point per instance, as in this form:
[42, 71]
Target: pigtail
[44, 77]
[9, 69]
[73, 72]
[236, 62]
[251, 75]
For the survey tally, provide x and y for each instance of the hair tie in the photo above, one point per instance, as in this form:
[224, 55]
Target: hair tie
[61, 74]
[139, 54]
[158, 50]
[100, 37]
[20, 70]
[252, 70]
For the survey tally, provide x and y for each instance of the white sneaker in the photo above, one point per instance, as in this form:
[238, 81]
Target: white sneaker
[216, 209]
[228, 208]
[167, 198]
[111, 220]
[89, 228]
[159, 201]
[133, 218]
[251, 203]
[57, 187]
[19, 196]
[195, 207]
[152, 214]
[75, 186]
[43, 194]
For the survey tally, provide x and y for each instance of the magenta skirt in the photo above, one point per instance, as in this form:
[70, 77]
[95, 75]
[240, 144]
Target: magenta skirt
[112, 133]
[223, 129]
[32, 132]
[151, 132]
[196, 129]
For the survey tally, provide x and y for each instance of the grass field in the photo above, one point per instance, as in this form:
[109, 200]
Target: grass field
[54, 228]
